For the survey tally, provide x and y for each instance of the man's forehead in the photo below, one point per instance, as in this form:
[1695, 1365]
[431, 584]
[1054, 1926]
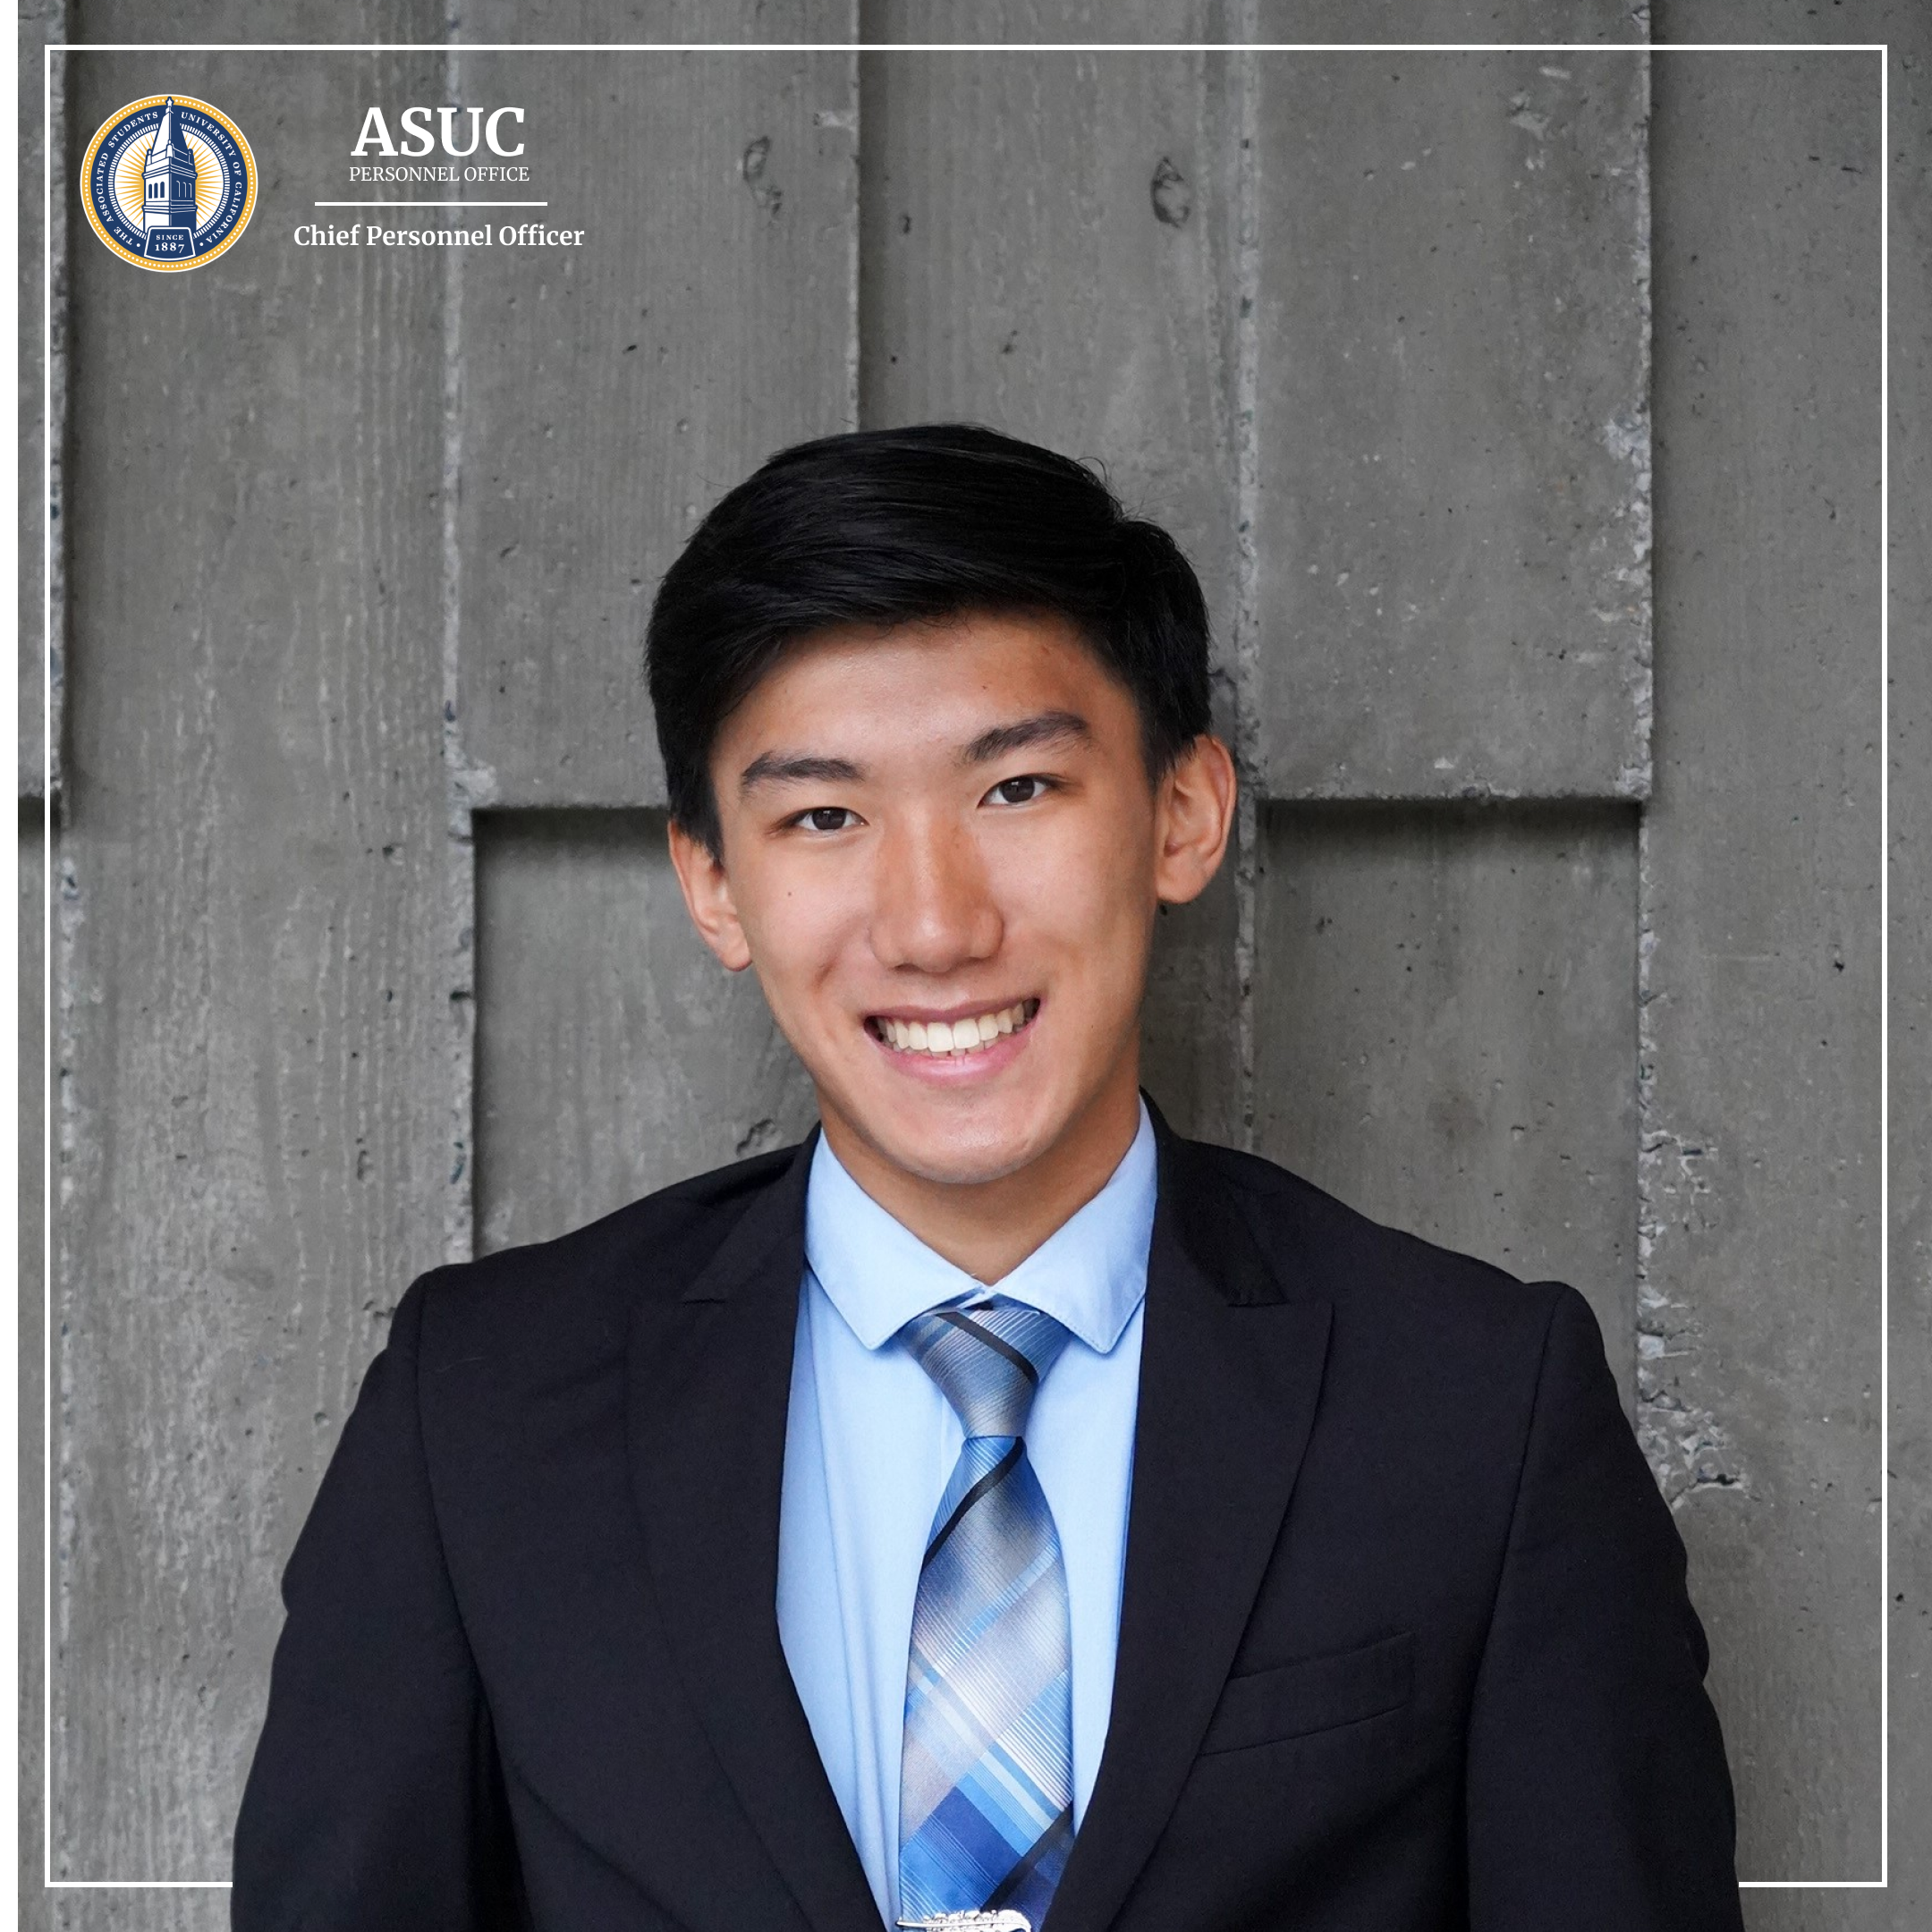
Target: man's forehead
[941, 630]
[994, 666]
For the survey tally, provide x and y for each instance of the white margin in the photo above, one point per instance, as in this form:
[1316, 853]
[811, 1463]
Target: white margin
[9, 704]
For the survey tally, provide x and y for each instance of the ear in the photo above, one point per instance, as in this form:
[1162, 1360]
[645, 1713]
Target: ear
[1194, 815]
[707, 898]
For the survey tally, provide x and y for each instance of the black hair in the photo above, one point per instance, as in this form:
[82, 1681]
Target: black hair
[896, 526]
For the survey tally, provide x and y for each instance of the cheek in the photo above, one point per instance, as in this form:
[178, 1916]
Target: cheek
[1085, 886]
[800, 928]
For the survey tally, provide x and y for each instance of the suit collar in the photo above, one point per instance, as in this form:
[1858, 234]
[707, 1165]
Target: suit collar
[1231, 1356]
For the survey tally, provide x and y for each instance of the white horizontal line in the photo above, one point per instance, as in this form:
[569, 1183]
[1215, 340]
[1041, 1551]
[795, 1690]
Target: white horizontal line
[138, 1884]
[1812, 1884]
[430, 204]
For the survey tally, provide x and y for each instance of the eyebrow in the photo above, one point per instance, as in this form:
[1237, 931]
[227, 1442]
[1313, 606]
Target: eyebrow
[1044, 727]
[805, 767]
[796, 767]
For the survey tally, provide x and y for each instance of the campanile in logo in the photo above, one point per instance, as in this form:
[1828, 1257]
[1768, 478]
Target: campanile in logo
[168, 182]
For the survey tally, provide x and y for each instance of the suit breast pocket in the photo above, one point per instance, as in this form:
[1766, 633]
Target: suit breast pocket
[1317, 1693]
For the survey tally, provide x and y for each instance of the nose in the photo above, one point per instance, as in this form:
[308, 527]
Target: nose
[933, 908]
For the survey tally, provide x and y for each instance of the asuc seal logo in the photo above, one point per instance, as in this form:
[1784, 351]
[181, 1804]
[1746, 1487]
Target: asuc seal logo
[168, 182]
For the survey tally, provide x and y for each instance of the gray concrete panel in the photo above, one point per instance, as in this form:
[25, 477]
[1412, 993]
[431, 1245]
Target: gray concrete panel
[29, 1238]
[200, 1910]
[1192, 1024]
[40, 22]
[1454, 523]
[1444, 1031]
[1908, 1905]
[1760, 1153]
[1025, 24]
[1154, 21]
[133, 1911]
[255, 1003]
[610, 393]
[1579, 22]
[615, 1055]
[1909, 1902]
[1049, 246]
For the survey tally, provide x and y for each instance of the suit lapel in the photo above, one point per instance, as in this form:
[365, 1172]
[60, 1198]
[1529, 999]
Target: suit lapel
[1231, 1366]
[711, 1384]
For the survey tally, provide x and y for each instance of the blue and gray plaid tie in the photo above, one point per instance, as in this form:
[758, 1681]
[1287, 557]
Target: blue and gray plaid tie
[986, 1783]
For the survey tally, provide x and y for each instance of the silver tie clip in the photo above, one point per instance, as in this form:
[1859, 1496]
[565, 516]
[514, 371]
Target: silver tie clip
[969, 1921]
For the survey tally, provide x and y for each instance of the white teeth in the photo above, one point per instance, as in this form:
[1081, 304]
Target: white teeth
[944, 1038]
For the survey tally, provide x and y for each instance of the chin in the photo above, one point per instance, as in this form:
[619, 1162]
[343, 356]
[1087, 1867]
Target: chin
[958, 1147]
[952, 1167]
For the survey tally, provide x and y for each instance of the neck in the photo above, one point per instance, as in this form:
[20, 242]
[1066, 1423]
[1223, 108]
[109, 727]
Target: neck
[989, 1227]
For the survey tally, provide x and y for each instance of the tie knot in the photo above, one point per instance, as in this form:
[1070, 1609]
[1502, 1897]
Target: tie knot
[986, 1353]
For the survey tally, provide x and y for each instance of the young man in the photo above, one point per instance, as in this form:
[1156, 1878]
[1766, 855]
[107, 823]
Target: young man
[996, 1504]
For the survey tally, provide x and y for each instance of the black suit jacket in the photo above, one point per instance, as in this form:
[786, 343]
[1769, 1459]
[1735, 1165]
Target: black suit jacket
[1404, 1642]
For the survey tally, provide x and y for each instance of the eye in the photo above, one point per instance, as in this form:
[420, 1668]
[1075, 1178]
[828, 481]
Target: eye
[1022, 791]
[826, 819]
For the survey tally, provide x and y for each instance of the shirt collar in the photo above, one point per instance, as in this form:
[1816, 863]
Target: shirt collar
[1089, 1273]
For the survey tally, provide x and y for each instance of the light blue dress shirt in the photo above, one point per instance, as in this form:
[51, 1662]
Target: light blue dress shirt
[870, 1441]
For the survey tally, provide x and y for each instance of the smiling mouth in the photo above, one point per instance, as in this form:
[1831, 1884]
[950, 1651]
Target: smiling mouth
[953, 1038]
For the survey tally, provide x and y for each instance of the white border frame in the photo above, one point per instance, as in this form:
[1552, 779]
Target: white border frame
[9, 857]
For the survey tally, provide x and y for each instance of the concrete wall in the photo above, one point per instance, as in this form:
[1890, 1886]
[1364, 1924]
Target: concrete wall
[1761, 1157]
[31, 1234]
[1910, 752]
[1758, 1170]
[40, 22]
[1553, 927]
